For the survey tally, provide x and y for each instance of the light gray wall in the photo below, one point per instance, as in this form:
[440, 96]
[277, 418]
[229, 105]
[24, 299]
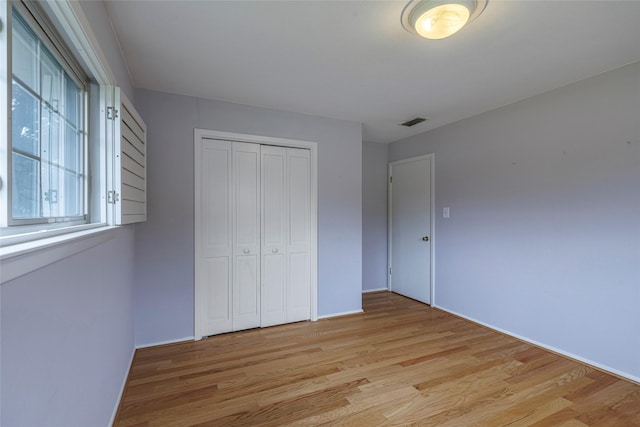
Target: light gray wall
[165, 243]
[67, 329]
[544, 235]
[67, 338]
[374, 216]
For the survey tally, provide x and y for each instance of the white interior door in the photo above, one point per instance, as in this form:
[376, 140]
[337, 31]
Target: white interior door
[410, 227]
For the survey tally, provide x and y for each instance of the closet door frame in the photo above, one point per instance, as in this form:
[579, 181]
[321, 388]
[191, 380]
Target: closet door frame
[206, 134]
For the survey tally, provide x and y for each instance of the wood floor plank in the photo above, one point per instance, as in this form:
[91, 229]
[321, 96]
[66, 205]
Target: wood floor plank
[399, 363]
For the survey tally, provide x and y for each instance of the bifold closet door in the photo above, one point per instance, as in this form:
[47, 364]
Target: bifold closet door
[286, 234]
[255, 217]
[231, 241]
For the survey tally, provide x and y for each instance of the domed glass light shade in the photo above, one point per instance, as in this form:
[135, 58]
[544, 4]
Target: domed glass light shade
[438, 19]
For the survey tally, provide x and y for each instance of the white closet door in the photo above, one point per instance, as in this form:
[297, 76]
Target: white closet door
[298, 235]
[246, 236]
[215, 216]
[274, 226]
[286, 234]
[253, 205]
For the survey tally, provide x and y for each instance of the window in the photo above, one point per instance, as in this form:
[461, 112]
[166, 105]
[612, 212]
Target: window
[52, 161]
[48, 133]
[72, 147]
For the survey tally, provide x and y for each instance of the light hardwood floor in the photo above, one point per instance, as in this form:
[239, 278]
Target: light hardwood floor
[400, 363]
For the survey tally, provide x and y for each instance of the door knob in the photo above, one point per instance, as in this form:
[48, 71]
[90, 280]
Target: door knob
[274, 251]
[425, 238]
[246, 251]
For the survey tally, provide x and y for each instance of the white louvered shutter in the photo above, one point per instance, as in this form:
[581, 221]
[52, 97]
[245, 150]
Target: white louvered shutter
[128, 195]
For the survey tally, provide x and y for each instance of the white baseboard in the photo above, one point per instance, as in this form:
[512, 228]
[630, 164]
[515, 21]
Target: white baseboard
[344, 313]
[368, 291]
[124, 384]
[548, 347]
[153, 344]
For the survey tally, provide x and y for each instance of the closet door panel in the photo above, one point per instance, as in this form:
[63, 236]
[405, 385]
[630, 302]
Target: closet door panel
[298, 287]
[218, 297]
[273, 197]
[246, 158]
[246, 236]
[299, 234]
[273, 291]
[274, 221]
[246, 292]
[298, 163]
[217, 198]
[215, 271]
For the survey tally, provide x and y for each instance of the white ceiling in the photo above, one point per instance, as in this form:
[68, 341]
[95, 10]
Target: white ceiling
[352, 60]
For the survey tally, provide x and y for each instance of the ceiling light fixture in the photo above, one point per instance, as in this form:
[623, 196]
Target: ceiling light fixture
[437, 19]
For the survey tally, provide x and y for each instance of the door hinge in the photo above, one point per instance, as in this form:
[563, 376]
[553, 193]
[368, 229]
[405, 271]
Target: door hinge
[390, 180]
[390, 272]
[112, 113]
[113, 197]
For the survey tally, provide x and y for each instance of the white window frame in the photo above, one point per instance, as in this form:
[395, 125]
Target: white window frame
[28, 226]
[33, 248]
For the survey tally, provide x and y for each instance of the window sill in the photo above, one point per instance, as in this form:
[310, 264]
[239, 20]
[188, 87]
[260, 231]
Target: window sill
[23, 258]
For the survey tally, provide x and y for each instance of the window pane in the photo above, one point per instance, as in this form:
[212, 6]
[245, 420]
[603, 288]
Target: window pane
[50, 79]
[50, 136]
[72, 150]
[72, 194]
[24, 128]
[25, 54]
[72, 102]
[25, 187]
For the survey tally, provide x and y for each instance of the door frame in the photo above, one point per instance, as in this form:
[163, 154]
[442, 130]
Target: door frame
[202, 134]
[430, 156]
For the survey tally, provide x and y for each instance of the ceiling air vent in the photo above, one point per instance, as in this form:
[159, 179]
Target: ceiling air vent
[413, 122]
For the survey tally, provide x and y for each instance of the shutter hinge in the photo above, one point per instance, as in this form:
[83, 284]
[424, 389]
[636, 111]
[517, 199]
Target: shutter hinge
[112, 113]
[113, 197]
